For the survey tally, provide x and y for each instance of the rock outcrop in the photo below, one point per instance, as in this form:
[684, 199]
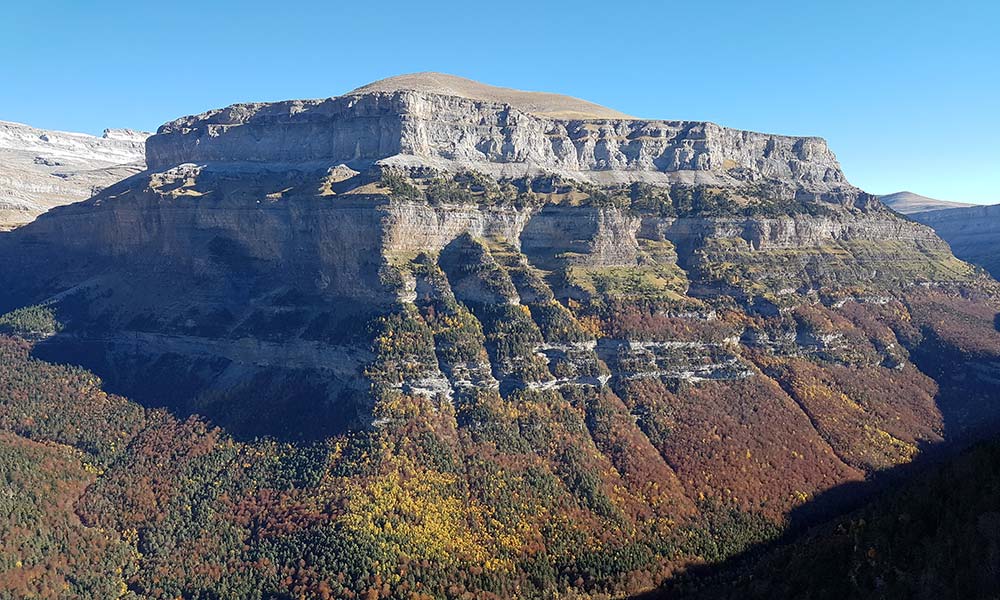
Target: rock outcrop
[972, 232]
[417, 121]
[295, 223]
[40, 169]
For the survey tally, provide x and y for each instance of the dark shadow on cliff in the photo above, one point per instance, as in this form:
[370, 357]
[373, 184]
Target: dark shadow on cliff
[968, 387]
[292, 405]
[110, 310]
[262, 383]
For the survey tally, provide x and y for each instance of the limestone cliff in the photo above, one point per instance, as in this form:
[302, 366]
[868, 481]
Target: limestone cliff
[973, 233]
[449, 123]
[479, 342]
[293, 224]
[40, 169]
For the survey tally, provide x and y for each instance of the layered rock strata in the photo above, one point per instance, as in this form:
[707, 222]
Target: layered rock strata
[528, 222]
[40, 169]
[409, 121]
[972, 232]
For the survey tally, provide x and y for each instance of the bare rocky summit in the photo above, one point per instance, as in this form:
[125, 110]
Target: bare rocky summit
[40, 169]
[909, 203]
[542, 104]
[453, 124]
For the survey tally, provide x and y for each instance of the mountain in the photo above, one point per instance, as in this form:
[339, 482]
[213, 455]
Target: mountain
[40, 169]
[536, 103]
[909, 203]
[441, 339]
[973, 233]
[394, 123]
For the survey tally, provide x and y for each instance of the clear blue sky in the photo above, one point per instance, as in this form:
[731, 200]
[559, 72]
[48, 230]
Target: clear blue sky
[906, 92]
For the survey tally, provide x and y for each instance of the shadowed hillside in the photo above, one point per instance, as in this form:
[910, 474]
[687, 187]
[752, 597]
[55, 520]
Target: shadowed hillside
[935, 536]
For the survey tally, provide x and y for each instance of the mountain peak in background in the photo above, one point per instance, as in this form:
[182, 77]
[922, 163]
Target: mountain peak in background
[41, 168]
[910, 203]
[537, 103]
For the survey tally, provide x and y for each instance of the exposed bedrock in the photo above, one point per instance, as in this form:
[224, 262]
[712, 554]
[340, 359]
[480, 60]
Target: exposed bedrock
[41, 168]
[276, 237]
[972, 232]
[410, 127]
[336, 246]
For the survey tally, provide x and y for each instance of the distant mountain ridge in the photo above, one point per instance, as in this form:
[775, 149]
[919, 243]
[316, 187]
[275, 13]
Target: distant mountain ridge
[538, 103]
[909, 203]
[41, 168]
[972, 230]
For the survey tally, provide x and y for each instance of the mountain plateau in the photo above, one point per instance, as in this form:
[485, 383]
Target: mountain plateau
[464, 341]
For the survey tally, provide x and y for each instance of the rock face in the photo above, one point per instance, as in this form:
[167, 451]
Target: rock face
[332, 201]
[624, 334]
[973, 233]
[40, 169]
[414, 121]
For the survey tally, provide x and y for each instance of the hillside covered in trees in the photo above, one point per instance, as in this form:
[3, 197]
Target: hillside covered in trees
[579, 491]
[435, 339]
[937, 536]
